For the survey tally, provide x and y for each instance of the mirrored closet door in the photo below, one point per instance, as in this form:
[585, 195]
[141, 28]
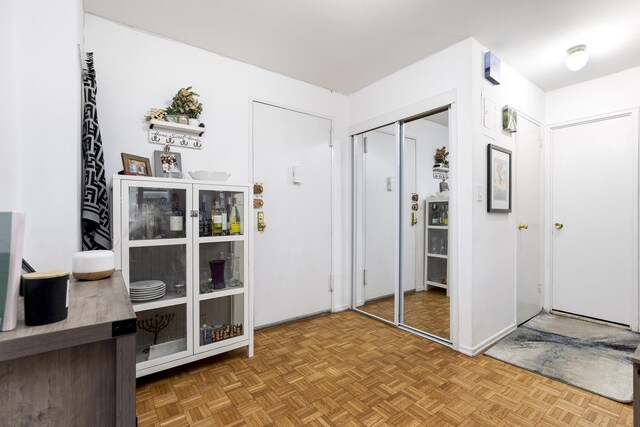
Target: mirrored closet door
[401, 220]
[377, 153]
[424, 225]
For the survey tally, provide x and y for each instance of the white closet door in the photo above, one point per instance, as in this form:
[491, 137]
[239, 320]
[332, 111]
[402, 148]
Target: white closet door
[529, 220]
[594, 204]
[292, 256]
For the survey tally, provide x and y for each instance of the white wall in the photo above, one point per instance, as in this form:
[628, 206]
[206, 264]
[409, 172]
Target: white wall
[494, 234]
[137, 70]
[607, 94]
[445, 70]
[46, 81]
[486, 270]
[10, 143]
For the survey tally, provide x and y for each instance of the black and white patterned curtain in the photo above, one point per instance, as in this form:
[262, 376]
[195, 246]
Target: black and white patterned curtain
[95, 199]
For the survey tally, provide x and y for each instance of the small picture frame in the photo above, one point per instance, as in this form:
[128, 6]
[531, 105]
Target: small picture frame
[136, 165]
[167, 164]
[498, 179]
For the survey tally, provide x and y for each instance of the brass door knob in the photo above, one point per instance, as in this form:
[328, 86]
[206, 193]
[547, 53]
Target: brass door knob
[414, 220]
[558, 225]
[261, 224]
[523, 226]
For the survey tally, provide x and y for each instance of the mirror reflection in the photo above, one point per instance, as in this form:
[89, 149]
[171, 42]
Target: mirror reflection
[425, 225]
[376, 294]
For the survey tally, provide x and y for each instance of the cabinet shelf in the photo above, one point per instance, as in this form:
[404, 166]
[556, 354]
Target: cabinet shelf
[156, 242]
[436, 284]
[166, 301]
[437, 256]
[219, 293]
[221, 239]
[438, 227]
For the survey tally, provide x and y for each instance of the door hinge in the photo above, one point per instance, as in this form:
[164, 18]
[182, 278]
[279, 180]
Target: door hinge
[539, 287]
[331, 283]
[330, 137]
[364, 277]
[540, 142]
[365, 144]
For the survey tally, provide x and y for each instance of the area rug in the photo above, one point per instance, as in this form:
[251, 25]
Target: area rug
[593, 357]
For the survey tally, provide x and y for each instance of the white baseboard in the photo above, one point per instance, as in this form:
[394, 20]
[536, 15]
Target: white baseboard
[480, 348]
[341, 307]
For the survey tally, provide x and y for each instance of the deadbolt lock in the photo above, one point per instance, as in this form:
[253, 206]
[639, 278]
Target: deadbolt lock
[415, 197]
[261, 223]
[258, 188]
[258, 203]
[415, 206]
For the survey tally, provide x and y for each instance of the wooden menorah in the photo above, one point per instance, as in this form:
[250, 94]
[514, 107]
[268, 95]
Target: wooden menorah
[155, 325]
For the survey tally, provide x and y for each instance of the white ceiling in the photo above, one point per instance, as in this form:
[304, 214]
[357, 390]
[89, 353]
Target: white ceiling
[345, 45]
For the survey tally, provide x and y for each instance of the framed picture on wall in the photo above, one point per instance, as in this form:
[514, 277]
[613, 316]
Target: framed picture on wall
[136, 165]
[498, 179]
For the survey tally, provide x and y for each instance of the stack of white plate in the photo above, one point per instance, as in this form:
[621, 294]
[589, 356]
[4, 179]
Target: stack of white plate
[146, 290]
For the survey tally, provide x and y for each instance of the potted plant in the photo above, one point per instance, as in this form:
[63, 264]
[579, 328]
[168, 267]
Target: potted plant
[185, 103]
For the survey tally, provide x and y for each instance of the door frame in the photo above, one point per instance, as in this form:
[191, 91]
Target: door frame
[448, 100]
[334, 302]
[634, 301]
[541, 213]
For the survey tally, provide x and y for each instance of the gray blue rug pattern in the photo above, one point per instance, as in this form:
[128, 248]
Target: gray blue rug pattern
[593, 357]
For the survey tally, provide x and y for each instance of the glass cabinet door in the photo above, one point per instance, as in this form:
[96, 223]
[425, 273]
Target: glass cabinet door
[220, 213]
[163, 335]
[221, 319]
[156, 213]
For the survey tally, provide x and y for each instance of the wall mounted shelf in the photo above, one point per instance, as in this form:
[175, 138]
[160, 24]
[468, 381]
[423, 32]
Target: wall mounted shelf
[176, 134]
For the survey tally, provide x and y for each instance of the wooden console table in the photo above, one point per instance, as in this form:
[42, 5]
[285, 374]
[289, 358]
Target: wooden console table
[76, 372]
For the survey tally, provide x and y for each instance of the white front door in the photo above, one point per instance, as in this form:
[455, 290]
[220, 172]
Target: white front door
[528, 220]
[292, 256]
[594, 216]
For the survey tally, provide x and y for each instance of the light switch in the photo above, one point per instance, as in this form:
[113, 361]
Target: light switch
[389, 183]
[297, 175]
[479, 193]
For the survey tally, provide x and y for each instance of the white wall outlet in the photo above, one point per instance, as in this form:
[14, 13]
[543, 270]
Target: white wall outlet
[479, 193]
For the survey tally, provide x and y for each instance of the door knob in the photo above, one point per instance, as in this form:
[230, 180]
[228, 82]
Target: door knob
[523, 226]
[558, 225]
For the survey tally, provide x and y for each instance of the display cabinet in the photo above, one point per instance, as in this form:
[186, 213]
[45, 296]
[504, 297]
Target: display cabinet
[436, 240]
[183, 250]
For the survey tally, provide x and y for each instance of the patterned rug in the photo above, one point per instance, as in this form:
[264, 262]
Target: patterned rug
[593, 357]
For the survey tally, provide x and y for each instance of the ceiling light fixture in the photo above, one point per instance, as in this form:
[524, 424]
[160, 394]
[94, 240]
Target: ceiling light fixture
[577, 57]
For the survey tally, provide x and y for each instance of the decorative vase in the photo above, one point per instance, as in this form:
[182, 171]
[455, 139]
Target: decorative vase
[217, 273]
[171, 118]
[194, 122]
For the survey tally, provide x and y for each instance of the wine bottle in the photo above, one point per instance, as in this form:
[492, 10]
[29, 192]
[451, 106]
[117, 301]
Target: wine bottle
[216, 219]
[225, 224]
[201, 220]
[234, 220]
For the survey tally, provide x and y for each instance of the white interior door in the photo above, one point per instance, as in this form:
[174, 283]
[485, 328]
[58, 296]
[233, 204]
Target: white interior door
[594, 203]
[528, 214]
[380, 207]
[292, 256]
[409, 254]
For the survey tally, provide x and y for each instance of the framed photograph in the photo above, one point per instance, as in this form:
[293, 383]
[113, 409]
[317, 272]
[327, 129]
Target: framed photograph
[498, 179]
[167, 164]
[136, 165]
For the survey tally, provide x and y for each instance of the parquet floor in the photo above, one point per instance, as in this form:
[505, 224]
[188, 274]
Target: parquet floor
[346, 369]
[427, 310]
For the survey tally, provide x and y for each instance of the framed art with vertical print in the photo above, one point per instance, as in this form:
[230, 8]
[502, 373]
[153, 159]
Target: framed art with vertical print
[498, 179]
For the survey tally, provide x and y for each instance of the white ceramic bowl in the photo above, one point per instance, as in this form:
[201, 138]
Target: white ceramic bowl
[210, 175]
